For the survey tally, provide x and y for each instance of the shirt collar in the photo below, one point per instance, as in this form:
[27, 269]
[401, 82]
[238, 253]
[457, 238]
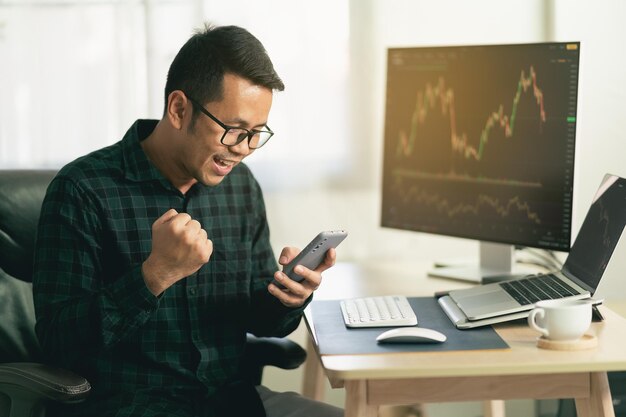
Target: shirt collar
[137, 166]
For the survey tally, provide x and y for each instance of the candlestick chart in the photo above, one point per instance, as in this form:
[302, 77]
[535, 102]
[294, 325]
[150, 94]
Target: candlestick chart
[479, 141]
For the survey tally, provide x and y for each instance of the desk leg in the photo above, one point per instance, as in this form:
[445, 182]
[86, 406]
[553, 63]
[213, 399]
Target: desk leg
[599, 403]
[313, 379]
[493, 408]
[356, 400]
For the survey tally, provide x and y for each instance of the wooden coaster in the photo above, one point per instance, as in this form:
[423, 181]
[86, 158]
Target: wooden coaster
[587, 341]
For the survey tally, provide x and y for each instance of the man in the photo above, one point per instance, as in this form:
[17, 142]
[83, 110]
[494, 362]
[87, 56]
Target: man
[153, 257]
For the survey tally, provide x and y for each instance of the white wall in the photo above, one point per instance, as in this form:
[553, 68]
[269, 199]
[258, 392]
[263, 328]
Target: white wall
[601, 139]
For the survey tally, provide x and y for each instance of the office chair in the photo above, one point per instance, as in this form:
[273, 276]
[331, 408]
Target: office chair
[26, 385]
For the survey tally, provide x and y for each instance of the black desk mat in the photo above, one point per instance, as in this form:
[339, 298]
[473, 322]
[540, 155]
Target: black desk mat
[334, 338]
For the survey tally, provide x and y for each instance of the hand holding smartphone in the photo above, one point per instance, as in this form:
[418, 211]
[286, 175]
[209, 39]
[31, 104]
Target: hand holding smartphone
[313, 254]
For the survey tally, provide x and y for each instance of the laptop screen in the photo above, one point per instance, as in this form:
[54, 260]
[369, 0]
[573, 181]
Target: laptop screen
[599, 233]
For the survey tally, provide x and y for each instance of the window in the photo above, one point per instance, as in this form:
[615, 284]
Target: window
[76, 74]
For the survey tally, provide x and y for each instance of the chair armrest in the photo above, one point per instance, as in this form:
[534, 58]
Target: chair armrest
[275, 351]
[43, 381]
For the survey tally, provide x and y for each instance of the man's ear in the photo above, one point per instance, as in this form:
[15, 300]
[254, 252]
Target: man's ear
[177, 107]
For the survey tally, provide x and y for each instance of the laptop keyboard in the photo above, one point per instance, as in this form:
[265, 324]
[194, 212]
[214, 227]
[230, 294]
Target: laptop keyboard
[530, 290]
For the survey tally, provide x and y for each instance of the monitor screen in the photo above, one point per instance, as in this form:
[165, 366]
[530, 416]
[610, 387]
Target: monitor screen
[479, 142]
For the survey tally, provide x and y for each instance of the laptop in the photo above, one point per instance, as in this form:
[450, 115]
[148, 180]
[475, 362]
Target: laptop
[578, 278]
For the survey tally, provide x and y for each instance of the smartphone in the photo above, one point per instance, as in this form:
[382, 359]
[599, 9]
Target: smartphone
[313, 254]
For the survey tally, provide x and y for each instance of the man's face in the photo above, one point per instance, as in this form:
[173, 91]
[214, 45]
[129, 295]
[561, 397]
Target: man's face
[244, 105]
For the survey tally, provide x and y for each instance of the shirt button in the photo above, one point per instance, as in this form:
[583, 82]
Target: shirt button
[192, 291]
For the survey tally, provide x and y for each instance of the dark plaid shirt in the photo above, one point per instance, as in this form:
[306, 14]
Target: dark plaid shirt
[95, 314]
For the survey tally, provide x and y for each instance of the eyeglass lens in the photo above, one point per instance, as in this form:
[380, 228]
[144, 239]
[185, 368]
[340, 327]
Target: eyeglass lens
[235, 136]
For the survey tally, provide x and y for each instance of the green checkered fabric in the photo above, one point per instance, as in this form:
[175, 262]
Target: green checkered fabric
[96, 316]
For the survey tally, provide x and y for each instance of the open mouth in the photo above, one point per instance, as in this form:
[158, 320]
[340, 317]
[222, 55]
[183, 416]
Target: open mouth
[223, 166]
[223, 162]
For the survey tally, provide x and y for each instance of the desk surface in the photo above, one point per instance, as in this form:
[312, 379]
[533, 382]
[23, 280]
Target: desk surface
[345, 280]
[524, 357]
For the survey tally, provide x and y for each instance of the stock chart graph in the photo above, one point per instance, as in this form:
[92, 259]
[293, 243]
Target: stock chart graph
[479, 141]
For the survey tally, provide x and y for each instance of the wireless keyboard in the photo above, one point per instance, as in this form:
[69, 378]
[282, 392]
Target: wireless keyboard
[383, 311]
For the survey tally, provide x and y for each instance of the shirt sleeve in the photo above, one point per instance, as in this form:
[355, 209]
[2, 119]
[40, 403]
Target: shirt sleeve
[77, 309]
[269, 317]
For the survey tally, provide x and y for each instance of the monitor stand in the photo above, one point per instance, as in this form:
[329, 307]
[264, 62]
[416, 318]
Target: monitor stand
[497, 263]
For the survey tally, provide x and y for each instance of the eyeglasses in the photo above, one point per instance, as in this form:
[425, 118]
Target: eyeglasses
[234, 135]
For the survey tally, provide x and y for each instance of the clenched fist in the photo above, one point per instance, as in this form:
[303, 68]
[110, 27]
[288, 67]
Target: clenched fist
[179, 248]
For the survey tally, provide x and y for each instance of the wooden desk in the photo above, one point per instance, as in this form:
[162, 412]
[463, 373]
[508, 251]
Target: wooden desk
[523, 371]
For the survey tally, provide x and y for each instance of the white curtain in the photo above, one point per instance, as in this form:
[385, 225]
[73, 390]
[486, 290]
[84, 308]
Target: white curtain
[75, 74]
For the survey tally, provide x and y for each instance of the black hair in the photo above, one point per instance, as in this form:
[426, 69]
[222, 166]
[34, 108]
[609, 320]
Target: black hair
[199, 67]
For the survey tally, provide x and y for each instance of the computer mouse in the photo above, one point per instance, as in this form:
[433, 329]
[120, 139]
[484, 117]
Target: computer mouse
[411, 335]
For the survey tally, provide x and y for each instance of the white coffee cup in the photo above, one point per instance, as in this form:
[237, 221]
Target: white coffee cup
[561, 320]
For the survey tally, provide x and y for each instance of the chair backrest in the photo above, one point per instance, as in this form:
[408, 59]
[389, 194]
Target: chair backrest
[21, 195]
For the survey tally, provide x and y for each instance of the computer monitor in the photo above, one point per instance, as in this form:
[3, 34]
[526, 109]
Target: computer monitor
[479, 144]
